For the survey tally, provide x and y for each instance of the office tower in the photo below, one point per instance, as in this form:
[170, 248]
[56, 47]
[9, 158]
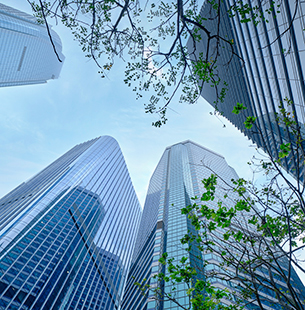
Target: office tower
[175, 180]
[26, 53]
[67, 234]
[272, 69]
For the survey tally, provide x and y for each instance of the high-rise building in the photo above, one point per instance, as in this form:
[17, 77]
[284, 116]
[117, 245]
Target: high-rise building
[67, 234]
[178, 177]
[26, 53]
[270, 68]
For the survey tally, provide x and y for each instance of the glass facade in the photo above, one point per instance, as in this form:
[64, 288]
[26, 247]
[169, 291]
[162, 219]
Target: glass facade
[273, 69]
[27, 55]
[178, 177]
[68, 233]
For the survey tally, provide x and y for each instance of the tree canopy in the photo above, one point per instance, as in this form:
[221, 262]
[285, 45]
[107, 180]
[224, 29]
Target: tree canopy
[158, 42]
[250, 235]
[151, 37]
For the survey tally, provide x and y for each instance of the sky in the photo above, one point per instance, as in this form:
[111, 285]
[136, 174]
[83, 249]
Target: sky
[38, 123]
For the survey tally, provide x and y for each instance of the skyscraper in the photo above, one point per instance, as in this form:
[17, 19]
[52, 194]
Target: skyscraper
[272, 69]
[175, 180]
[26, 52]
[68, 233]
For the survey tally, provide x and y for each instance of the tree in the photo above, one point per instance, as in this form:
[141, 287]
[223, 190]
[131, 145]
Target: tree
[152, 38]
[200, 293]
[256, 233]
[158, 59]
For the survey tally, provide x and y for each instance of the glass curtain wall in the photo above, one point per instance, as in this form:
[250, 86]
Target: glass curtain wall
[68, 233]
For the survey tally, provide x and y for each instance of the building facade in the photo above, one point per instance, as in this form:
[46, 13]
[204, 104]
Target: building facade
[26, 53]
[271, 70]
[178, 177]
[67, 234]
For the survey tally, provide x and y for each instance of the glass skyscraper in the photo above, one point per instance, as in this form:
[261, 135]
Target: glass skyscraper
[273, 69]
[26, 53]
[178, 177]
[67, 234]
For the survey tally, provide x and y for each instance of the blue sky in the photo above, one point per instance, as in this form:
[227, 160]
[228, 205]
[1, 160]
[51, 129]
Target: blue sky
[38, 123]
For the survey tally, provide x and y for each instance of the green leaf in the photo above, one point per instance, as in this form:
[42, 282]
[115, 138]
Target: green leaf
[249, 122]
[285, 149]
[238, 108]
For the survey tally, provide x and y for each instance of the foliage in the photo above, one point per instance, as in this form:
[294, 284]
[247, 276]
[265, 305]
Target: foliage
[256, 233]
[152, 40]
[200, 293]
[259, 234]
